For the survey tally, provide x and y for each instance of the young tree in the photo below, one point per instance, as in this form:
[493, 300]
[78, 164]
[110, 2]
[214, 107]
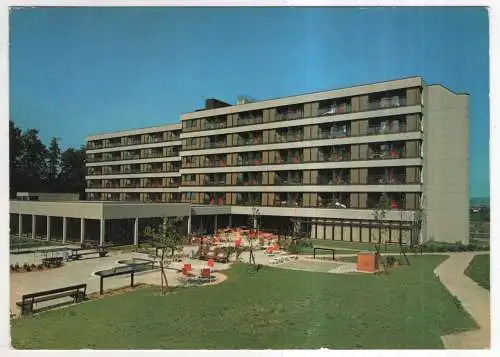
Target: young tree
[379, 215]
[167, 236]
[53, 163]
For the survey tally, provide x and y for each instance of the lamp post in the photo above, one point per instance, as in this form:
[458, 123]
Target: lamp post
[255, 219]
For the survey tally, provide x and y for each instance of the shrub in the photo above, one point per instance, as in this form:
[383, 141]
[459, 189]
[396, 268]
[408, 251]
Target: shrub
[39, 266]
[33, 266]
[17, 267]
[26, 267]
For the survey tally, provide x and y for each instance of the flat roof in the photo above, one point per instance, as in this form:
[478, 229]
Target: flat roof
[138, 131]
[359, 89]
[100, 209]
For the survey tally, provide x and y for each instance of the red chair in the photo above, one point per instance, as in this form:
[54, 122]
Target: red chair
[187, 269]
[211, 263]
[206, 274]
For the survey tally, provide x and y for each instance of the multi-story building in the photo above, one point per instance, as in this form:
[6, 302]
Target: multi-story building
[135, 165]
[323, 159]
[327, 158]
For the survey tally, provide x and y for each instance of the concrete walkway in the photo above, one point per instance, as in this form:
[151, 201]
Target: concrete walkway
[474, 298]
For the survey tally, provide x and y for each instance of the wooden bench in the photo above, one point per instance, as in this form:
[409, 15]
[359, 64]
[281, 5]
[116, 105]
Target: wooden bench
[77, 292]
[77, 253]
[324, 248]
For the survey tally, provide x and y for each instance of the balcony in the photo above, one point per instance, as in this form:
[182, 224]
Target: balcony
[334, 108]
[132, 184]
[112, 185]
[215, 124]
[111, 172]
[132, 197]
[249, 119]
[134, 141]
[214, 200]
[387, 102]
[288, 180]
[395, 201]
[248, 199]
[384, 154]
[332, 180]
[94, 184]
[215, 144]
[290, 137]
[289, 114]
[392, 128]
[249, 140]
[333, 156]
[249, 179]
[153, 184]
[288, 200]
[214, 180]
[130, 156]
[114, 143]
[334, 131]
[153, 154]
[386, 179]
[131, 170]
[215, 162]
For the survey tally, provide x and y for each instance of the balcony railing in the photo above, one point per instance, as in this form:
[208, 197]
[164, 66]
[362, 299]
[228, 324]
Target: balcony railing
[249, 120]
[132, 185]
[249, 182]
[248, 202]
[386, 179]
[214, 182]
[396, 153]
[333, 156]
[214, 201]
[332, 180]
[215, 125]
[256, 140]
[289, 115]
[216, 144]
[216, 163]
[287, 202]
[111, 172]
[387, 129]
[247, 161]
[288, 138]
[131, 157]
[332, 203]
[388, 102]
[295, 159]
[332, 134]
[288, 180]
[392, 204]
[335, 109]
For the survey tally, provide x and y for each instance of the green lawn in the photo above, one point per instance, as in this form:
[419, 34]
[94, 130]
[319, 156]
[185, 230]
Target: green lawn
[274, 308]
[355, 246]
[479, 270]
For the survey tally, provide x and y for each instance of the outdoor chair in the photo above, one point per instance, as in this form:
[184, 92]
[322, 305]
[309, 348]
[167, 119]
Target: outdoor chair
[206, 275]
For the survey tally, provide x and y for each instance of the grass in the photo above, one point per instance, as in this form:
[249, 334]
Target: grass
[479, 270]
[274, 308]
[355, 246]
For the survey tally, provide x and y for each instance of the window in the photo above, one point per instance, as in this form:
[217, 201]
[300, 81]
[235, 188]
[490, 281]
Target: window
[192, 142]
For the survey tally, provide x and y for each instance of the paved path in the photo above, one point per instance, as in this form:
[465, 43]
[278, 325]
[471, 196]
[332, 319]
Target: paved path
[474, 298]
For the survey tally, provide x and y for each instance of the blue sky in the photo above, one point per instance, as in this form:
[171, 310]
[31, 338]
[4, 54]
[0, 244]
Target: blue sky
[81, 71]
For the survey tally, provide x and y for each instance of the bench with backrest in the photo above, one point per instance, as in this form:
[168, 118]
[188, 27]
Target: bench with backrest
[329, 249]
[77, 292]
[77, 253]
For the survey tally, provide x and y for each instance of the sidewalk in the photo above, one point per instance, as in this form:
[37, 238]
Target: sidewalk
[474, 298]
